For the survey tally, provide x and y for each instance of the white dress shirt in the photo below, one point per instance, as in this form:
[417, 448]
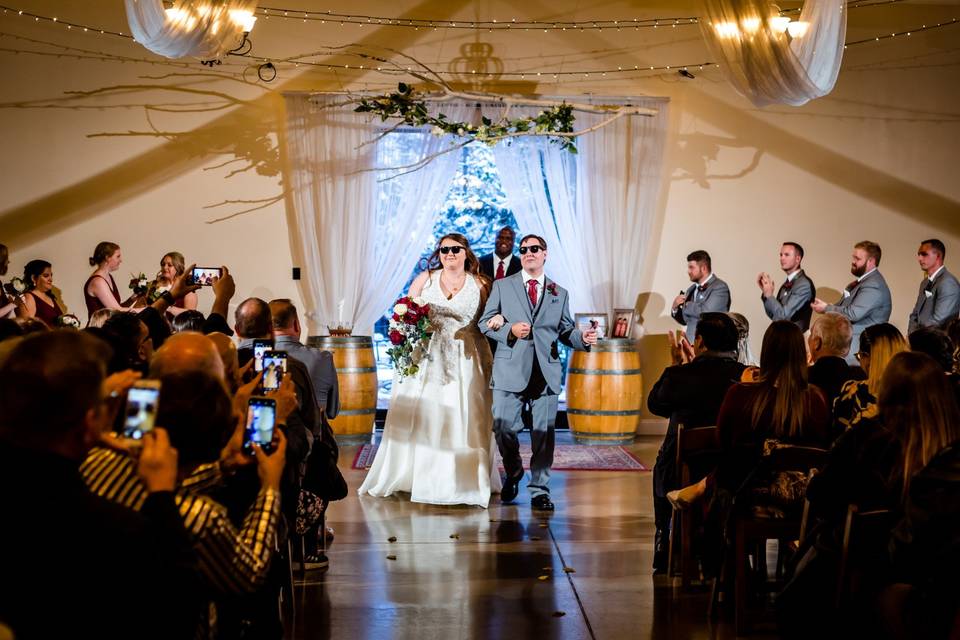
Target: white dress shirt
[497, 261]
[526, 286]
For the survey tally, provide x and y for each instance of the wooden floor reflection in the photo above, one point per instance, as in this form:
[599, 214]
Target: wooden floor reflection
[500, 573]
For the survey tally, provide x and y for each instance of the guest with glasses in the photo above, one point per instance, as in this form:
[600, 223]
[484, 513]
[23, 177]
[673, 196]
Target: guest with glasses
[858, 398]
[707, 293]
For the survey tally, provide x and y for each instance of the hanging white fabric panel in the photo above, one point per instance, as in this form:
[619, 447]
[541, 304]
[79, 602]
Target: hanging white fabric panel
[205, 29]
[772, 58]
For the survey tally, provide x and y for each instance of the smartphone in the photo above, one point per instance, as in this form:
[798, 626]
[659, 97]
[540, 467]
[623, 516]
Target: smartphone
[260, 346]
[205, 276]
[261, 420]
[141, 410]
[274, 366]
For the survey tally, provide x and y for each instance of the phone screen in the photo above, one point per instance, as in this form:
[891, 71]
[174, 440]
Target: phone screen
[259, 348]
[205, 275]
[274, 365]
[140, 412]
[261, 419]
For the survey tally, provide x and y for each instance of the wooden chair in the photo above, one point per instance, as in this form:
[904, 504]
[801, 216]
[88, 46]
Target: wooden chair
[691, 442]
[864, 534]
[751, 532]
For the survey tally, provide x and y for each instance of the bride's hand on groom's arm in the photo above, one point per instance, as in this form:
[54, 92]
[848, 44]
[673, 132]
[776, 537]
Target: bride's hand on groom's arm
[496, 322]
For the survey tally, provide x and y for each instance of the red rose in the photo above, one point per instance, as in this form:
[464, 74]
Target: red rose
[397, 318]
[411, 317]
[396, 337]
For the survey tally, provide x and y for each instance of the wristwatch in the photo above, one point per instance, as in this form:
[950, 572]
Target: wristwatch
[167, 297]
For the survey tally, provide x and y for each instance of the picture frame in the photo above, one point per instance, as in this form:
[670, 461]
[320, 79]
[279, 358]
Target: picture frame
[622, 325]
[585, 321]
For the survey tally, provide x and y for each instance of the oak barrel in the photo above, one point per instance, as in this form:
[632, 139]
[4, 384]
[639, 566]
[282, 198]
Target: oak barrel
[605, 392]
[357, 375]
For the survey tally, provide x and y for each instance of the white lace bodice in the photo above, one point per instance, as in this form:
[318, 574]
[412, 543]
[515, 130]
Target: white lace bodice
[455, 332]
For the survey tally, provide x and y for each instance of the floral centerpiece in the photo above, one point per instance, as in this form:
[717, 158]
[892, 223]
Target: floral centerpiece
[15, 287]
[409, 334]
[68, 321]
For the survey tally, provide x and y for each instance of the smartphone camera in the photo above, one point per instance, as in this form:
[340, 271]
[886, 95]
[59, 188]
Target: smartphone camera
[261, 421]
[260, 347]
[274, 366]
[141, 409]
[205, 276]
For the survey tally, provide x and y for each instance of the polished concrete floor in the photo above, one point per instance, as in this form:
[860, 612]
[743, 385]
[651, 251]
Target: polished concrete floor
[504, 572]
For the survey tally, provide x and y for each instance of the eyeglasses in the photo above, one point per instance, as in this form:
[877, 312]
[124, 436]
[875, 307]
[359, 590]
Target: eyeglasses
[446, 250]
[532, 249]
[860, 355]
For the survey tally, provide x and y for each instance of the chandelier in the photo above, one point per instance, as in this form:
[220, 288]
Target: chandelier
[205, 29]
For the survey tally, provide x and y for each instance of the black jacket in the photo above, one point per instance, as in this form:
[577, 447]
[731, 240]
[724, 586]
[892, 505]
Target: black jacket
[487, 269]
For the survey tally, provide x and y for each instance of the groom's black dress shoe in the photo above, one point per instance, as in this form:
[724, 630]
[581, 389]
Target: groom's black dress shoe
[542, 503]
[511, 486]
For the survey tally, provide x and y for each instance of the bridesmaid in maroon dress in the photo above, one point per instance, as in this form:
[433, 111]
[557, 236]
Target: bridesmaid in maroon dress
[39, 301]
[172, 266]
[100, 290]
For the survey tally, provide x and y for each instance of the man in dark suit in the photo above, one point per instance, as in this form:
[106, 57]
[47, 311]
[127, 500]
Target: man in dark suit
[938, 301]
[501, 263]
[866, 301]
[829, 343]
[707, 293]
[793, 299]
[690, 394]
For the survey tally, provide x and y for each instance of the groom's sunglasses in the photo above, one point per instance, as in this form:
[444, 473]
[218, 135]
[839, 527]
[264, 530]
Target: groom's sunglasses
[532, 249]
[446, 250]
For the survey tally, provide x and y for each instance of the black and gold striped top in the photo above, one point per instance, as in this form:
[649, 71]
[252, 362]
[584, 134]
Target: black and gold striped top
[233, 561]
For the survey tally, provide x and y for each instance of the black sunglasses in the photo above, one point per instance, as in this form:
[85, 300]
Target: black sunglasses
[535, 248]
[446, 250]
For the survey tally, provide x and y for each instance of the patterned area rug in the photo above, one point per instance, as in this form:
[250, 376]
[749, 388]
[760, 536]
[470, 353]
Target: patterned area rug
[566, 457]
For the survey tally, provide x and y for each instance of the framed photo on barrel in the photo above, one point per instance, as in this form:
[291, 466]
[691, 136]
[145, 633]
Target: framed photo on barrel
[598, 321]
[622, 323]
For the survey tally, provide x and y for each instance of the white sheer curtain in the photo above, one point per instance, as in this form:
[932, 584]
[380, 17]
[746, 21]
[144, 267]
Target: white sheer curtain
[358, 243]
[199, 28]
[770, 63]
[595, 208]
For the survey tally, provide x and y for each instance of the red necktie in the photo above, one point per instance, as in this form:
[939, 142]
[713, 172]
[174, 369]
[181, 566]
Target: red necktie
[532, 291]
[499, 271]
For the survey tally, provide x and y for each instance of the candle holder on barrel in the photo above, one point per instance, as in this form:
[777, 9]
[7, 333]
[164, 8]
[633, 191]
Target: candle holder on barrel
[341, 329]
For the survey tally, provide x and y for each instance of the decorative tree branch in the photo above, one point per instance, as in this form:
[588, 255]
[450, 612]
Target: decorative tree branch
[261, 203]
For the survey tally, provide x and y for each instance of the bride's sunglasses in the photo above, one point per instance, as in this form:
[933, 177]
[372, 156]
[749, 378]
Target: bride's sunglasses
[446, 250]
[532, 249]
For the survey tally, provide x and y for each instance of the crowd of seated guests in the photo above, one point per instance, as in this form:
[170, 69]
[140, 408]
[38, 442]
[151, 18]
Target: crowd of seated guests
[889, 431]
[182, 534]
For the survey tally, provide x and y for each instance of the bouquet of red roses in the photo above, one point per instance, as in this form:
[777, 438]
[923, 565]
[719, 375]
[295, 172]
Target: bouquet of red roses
[409, 334]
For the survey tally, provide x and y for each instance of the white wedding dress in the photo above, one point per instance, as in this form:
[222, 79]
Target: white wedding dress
[438, 442]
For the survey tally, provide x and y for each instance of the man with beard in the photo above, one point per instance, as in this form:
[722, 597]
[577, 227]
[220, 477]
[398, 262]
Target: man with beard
[866, 300]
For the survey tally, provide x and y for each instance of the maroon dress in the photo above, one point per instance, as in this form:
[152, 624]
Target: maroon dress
[93, 302]
[46, 312]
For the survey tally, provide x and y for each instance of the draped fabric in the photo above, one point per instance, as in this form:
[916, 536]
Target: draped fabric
[767, 64]
[199, 28]
[595, 209]
[358, 239]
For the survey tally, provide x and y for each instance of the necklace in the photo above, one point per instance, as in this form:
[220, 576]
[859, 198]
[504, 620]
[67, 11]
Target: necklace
[455, 288]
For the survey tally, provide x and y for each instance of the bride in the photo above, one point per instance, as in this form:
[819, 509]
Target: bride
[438, 441]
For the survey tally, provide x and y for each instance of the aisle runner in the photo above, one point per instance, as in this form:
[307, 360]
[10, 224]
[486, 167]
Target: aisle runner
[566, 457]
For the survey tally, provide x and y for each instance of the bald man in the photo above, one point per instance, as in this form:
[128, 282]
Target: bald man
[228, 355]
[187, 351]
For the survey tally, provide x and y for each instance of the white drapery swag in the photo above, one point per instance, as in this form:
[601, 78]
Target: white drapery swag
[199, 28]
[358, 243]
[595, 209]
[765, 64]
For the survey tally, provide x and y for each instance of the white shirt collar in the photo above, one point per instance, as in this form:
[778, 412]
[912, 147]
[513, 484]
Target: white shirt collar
[527, 277]
[860, 279]
[793, 276]
[506, 261]
[936, 273]
[709, 278]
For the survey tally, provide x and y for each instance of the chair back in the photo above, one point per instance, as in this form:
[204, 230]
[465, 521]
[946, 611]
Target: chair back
[864, 536]
[694, 441]
[791, 457]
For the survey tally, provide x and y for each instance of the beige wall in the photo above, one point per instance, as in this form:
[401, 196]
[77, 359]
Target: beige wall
[874, 160]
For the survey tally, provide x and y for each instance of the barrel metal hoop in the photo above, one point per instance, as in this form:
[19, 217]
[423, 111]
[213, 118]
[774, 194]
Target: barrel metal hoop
[356, 369]
[594, 412]
[605, 372]
[356, 412]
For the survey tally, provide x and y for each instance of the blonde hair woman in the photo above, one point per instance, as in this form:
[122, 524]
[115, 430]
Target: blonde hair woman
[858, 398]
[172, 265]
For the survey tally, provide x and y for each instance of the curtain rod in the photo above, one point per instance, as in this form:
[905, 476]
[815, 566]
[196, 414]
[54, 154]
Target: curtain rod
[589, 99]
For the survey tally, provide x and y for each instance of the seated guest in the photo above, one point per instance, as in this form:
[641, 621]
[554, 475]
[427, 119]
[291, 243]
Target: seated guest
[228, 356]
[8, 303]
[936, 344]
[828, 344]
[173, 266]
[744, 352]
[188, 320]
[42, 442]
[32, 325]
[99, 317]
[9, 329]
[100, 290]
[287, 332]
[130, 340]
[39, 300]
[188, 351]
[858, 398]
[690, 394]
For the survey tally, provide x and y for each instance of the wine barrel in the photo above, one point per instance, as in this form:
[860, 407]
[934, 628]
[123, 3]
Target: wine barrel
[357, 375]
[605, 392]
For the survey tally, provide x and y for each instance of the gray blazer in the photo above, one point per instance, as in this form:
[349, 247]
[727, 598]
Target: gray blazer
[323, 373]
[868, 304]
[793, 303]
[714, 297]
[937, 303]
[551, 324]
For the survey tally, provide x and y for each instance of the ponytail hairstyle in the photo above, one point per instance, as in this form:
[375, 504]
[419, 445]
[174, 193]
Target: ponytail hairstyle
[102, 253]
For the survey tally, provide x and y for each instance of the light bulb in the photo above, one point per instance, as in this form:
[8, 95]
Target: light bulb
[750, 25]
[244, 19]
[727, 29]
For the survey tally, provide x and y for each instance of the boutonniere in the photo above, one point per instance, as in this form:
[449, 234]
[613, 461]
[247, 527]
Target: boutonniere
[552, 288]
[788, 285]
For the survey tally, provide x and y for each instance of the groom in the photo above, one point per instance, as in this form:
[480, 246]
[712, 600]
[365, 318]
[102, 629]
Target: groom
[526, 368]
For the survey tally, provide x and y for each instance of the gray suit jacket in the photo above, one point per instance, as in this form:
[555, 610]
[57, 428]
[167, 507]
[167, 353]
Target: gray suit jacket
[868, 304]
[793, 303]
[323, 373]
[714, 297]
[937, 303]
[551, 322]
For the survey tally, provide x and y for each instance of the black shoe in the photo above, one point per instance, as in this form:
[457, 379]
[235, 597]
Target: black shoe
[542, 503]
[511, 486]
[660, 553]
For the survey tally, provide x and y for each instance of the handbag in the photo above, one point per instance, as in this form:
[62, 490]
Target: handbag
[322, 476]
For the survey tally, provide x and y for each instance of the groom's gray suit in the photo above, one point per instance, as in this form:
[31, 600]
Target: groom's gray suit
[528, 370]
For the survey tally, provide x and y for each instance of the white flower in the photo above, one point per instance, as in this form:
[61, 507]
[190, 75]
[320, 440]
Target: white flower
[18, 285]
[160, 290]
[437, 131]
[460, 131]
[142, 282]
[400, 309]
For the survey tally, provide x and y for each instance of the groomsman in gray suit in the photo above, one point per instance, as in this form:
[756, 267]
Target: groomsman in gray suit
[533, 316]
[866, 300]
[707, 293]
[792, 301]
[939, 299]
